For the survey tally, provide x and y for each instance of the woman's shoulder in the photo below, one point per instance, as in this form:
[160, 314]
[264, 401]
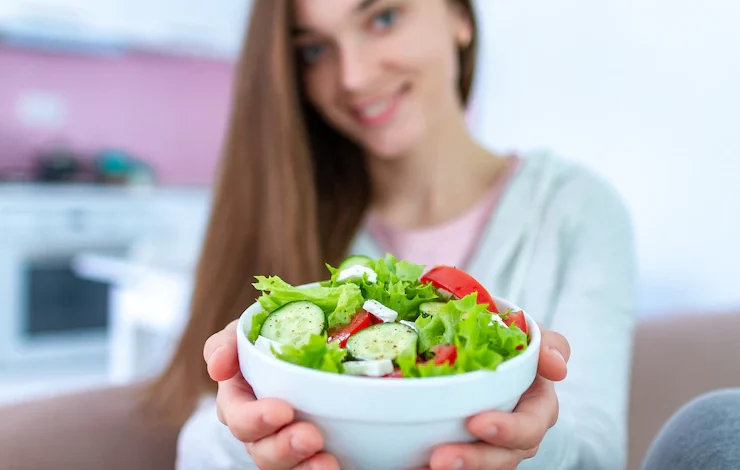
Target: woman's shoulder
[550, 183]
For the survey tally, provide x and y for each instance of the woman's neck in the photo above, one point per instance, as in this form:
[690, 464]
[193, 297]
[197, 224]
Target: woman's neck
[446, 175]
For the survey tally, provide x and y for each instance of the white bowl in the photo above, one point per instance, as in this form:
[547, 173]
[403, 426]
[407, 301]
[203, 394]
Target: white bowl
[390, 424]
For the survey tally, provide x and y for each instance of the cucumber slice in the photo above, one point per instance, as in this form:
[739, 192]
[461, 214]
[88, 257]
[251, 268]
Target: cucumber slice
[356, 260]
[383, 341]
[294, 323]
[429, 309]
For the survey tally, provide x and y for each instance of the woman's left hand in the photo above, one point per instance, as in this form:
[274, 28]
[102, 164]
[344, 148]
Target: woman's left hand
[508, 438]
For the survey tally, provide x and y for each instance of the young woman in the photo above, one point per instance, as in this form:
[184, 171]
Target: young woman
[348, 135]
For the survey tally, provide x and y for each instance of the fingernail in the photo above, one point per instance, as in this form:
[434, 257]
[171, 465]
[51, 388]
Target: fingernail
[298, 445]
[458, 464]
[558, 353]
[491, 432]
[214, 353]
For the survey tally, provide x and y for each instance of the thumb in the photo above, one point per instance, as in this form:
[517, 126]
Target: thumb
[220, 354]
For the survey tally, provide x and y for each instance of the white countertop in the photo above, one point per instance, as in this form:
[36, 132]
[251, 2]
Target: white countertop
[35, 190]
[126, 271]
[153, 295]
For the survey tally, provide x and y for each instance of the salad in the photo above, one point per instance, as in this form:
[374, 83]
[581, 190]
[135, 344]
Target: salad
[387, 318]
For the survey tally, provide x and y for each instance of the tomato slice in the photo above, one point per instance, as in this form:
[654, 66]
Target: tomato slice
[396, 374]
[444, 353]
[360, 321]
[517, 318]
[459, 283]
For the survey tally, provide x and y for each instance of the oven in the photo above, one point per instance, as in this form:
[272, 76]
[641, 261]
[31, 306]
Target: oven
[47, 312]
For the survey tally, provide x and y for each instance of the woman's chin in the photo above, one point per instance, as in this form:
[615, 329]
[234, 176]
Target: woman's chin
[389, 148]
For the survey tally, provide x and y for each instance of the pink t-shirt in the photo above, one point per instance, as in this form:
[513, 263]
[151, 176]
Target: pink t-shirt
[451, 243]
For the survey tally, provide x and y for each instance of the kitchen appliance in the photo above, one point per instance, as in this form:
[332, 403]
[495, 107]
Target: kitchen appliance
[47, 312]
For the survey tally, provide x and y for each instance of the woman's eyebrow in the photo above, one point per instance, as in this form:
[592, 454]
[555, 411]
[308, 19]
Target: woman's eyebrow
[362, 6]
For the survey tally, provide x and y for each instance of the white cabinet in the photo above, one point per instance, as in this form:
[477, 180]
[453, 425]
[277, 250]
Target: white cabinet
[131, 229]
[192, 27]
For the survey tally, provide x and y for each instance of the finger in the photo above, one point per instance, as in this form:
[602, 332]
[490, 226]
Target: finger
[554, 356]
[321, 461]
[477, 456]
[525, 427]
[288, 447]
[220, 354]
[250, 419]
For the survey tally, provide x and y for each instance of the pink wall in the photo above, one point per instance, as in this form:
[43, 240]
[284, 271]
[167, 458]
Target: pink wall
[170, 112]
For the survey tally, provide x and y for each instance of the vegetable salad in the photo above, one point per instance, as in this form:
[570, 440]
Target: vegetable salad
[387, 318]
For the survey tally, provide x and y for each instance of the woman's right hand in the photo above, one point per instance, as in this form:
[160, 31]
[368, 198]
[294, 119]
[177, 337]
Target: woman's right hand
[265, 426]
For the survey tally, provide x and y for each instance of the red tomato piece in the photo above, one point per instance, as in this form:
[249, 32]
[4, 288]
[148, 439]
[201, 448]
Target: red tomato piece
[459, 283]
[360, 321]
[396, 374]
[518, 319]
[444, 353]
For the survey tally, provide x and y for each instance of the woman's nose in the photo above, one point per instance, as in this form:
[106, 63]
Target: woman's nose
[358, 68]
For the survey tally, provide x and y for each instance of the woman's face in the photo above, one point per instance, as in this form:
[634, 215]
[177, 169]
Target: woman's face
[382, 72]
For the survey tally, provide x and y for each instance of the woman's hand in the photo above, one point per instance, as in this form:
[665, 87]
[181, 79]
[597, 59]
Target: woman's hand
[265, 426]
[508, 438]
[277, 443]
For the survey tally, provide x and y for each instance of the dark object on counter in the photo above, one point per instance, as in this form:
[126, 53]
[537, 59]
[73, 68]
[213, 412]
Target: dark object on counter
[58, 165]
[118, 167]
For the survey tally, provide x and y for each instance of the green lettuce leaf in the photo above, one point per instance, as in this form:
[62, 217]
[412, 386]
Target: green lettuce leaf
[339, 302]
[466, 324]
[316, 354]
[397, 286]
[258, 319]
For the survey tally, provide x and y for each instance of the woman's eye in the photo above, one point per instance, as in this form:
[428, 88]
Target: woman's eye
[311, 53]
[385, 19]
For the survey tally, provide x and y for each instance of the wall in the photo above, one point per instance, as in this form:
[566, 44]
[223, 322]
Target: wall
[646, 92]
[168, 111]
[643, 91]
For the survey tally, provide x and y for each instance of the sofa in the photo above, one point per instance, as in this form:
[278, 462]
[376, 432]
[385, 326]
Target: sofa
[675, 359]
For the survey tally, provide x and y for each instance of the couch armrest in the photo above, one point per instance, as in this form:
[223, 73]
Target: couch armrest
[92, 430]
[677, 358]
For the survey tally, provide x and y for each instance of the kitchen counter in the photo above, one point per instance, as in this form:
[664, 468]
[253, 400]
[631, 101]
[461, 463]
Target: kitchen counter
[161, 290]
[149, 309]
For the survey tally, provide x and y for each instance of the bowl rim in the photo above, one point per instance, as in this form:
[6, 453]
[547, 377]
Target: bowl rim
[383, 382]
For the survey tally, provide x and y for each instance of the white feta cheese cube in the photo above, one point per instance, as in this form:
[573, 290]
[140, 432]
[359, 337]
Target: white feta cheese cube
[497, 319]
[410, 324]
[375, 368]
[379, 310]
[265, 344]
[356, 272]
[447, 295]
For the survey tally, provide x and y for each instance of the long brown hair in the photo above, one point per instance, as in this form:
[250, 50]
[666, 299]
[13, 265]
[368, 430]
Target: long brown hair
[290, 196]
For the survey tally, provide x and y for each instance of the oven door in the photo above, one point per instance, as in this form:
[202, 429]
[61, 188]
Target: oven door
[47, 312]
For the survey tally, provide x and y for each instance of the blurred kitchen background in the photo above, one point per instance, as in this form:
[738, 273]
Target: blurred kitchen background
[112, 114]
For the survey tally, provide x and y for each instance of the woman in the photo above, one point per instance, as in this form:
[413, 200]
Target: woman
[348, 135]
[363, 148]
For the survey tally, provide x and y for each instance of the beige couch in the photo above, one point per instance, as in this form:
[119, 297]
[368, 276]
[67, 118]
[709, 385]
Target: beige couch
[675, 360]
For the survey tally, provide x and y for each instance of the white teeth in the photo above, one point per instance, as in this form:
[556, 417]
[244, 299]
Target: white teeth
[376, 109]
